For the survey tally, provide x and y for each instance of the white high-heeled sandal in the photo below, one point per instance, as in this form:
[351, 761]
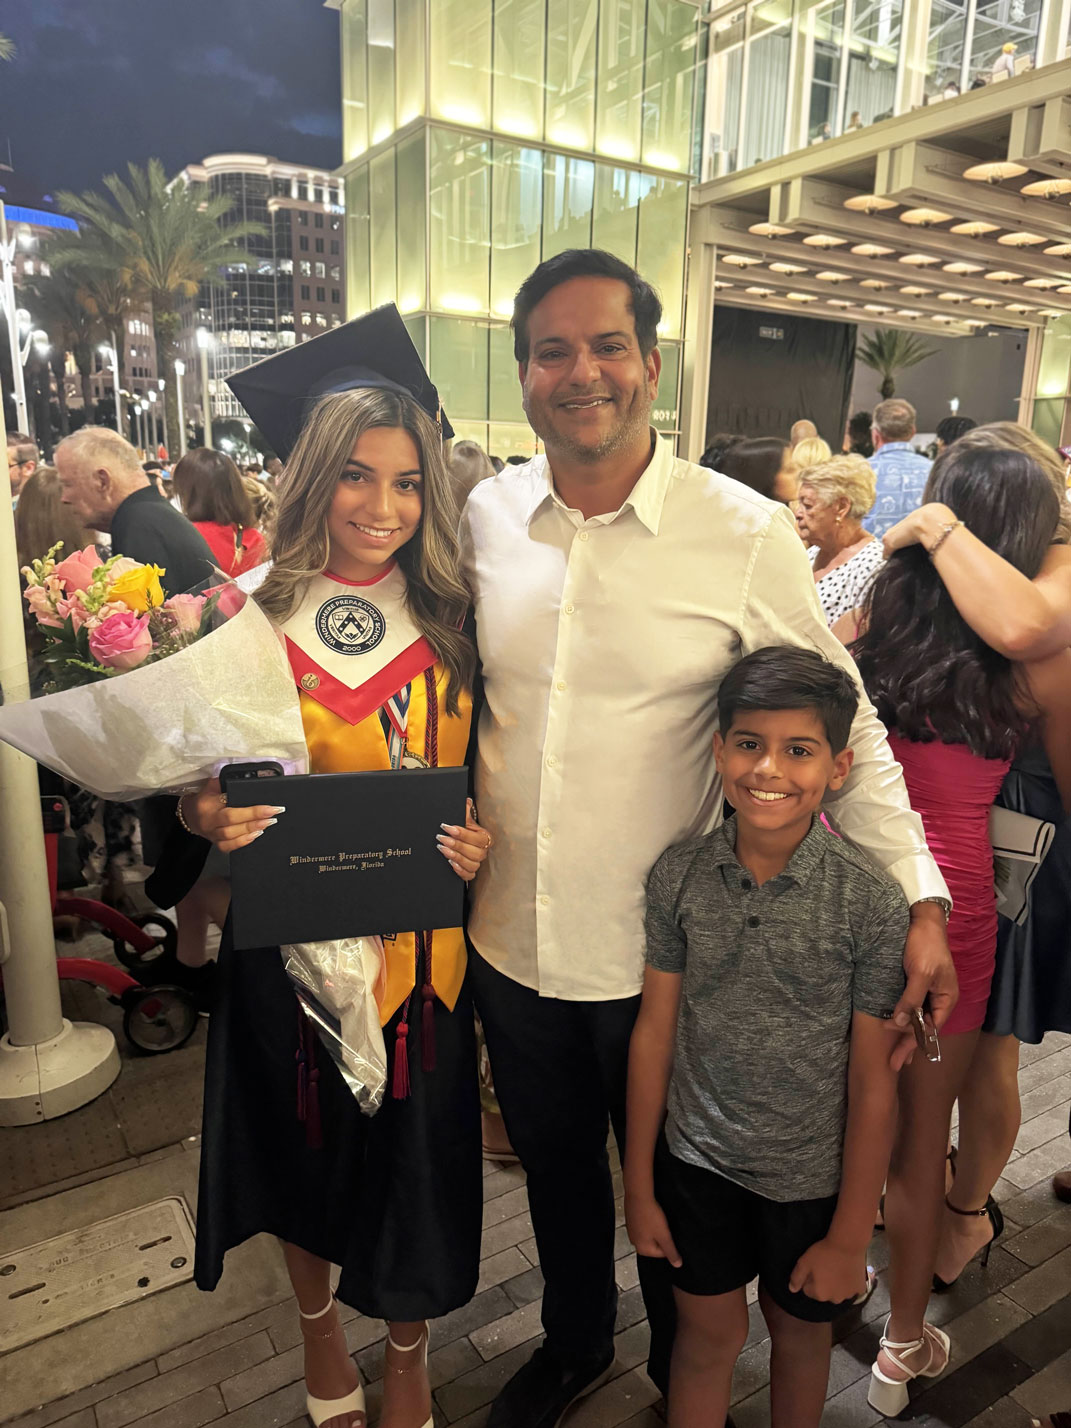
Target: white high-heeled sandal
[322, 1410]
[889, 1395]
[408, 1349]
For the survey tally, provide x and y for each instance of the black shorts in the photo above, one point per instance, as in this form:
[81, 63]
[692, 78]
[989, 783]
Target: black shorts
[727, 1235]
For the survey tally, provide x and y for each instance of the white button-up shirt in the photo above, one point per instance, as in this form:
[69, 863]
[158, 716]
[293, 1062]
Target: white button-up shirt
[603, 643]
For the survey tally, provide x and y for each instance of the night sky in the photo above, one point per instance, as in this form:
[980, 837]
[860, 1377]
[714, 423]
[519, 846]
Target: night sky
[97, 83]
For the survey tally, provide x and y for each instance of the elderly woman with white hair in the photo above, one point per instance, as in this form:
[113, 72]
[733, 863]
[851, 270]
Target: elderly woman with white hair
[833, 499]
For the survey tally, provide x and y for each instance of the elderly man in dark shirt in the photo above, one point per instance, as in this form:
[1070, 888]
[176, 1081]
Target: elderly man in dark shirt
[104, 482]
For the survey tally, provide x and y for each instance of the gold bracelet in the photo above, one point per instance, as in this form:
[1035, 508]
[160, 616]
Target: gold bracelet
[946, 531]
[181, 819]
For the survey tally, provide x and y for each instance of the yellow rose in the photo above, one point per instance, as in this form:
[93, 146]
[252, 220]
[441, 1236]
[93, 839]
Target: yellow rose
[139, 589]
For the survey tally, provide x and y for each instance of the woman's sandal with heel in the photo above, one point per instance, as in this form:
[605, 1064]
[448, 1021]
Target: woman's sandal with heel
[890, 1395]
[322, 1410]
[408, 1349]
[990, 1210]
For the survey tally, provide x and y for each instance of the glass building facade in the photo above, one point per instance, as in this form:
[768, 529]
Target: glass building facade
[787, 73]
[482, 136]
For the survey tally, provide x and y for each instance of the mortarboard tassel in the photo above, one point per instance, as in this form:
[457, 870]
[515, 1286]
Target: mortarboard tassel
[400, 1080]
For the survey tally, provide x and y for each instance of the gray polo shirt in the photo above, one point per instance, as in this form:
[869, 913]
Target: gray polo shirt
[771, 977]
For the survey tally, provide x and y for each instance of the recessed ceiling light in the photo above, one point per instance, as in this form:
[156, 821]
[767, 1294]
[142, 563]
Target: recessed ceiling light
[1047, 188]
[963, 268]
[872, 250]
[801, 297]
[838, 302]
[1020, 240]
[827, 276]
[1042, 283]
[787, 268]
[984, 302]
[925, 217]
[1064, 288]
[913, 291]
[1018, 307]
[823, 240]
[975, 228]
[1001, 275]
[740, 260]
[952, 297]
[876, 283]
[770, 230]
[919, 260]
[975, 322]
[876, 307]
[1059, 250]
[941, 317]
[1050, 312]
[995, 172]
[907, 312]
[760, 292]
[869, 203]
[718, 284]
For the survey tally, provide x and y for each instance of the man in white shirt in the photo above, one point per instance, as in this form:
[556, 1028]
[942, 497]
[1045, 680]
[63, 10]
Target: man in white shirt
[614, 586]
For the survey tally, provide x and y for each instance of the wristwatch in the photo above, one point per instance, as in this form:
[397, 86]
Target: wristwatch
[942, 902]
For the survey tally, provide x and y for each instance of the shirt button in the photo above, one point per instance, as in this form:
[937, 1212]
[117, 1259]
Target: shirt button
[753, 922]
[569, 609]
[546, 832]
[584, 535]
[745, 883]
[544, 901]
[552, 762]
[560, 686]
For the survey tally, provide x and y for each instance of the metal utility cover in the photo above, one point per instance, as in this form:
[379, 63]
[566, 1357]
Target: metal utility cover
[47, 1287]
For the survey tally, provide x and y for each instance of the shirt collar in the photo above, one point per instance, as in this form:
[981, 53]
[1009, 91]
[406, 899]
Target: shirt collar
[800, 868]
[895, 446]
[646, 498]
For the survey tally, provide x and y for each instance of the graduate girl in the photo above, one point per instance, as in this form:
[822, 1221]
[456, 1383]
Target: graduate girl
[365, 590]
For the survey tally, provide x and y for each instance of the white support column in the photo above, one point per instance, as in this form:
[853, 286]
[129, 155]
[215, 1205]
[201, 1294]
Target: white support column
[699, 317]
[914, 47]
[1031, 366]
[1055, 32]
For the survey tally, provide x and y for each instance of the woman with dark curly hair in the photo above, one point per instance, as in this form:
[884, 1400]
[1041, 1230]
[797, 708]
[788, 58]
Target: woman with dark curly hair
[956, 711]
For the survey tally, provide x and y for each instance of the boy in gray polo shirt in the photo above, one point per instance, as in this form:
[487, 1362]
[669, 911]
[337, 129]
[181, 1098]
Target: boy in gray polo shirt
[774, 958]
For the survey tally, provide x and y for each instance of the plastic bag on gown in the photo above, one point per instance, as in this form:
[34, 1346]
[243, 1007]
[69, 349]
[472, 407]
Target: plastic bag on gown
[336, 983]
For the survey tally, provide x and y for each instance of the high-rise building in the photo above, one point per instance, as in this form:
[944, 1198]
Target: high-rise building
[291, 287]
[482, 136]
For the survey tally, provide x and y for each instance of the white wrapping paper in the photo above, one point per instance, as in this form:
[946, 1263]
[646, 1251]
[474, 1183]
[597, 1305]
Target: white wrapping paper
[171, 725]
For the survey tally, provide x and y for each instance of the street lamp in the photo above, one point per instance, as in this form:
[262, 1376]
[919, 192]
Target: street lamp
[180, 372]
[163, 413]
[139, 408]
[11, 314]
[204, 342]
[107, 350]
[152, 417]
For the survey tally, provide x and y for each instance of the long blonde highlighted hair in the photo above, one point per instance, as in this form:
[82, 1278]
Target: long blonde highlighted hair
[1012, 436]
[436, 595]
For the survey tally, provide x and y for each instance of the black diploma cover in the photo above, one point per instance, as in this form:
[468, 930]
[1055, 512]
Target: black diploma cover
[353, 855]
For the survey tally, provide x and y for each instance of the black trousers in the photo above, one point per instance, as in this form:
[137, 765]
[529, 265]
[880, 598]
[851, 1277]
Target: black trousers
[560, 1070]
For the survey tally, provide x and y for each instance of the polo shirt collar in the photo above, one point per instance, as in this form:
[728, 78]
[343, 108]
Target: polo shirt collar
[800, 868]
[896, 446]
[646, 498]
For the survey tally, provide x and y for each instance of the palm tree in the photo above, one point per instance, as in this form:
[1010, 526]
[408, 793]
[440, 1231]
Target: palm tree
[165, 241]
[72, 327]
[891, 350]
[7, 48]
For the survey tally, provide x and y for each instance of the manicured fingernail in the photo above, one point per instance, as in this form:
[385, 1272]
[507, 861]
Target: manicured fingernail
[279, 808]
[269, 823]
[450, 827]
[902, 1019]
[258, 834]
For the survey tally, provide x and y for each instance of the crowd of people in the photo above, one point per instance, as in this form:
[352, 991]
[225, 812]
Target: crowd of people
[754, 934]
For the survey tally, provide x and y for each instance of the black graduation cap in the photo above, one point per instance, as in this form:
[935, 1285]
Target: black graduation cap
[371, 351]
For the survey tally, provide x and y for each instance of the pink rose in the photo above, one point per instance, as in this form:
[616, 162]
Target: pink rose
[231, 599]
[187, 612]
[121, 642]
[76, 571]
[41, 600]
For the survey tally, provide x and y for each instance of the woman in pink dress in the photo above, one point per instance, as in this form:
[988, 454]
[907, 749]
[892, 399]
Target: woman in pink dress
[956, 712]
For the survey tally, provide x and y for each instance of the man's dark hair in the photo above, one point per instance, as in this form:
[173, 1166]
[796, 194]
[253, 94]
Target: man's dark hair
[951, 428]
[859, 442]
[645, 303]
[787, 677]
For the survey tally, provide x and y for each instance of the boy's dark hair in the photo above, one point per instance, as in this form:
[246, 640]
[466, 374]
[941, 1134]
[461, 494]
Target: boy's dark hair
[586, 263]
[786, 677]
[951, 428]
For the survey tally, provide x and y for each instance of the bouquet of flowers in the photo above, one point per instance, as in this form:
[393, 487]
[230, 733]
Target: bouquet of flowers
[148, 692]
